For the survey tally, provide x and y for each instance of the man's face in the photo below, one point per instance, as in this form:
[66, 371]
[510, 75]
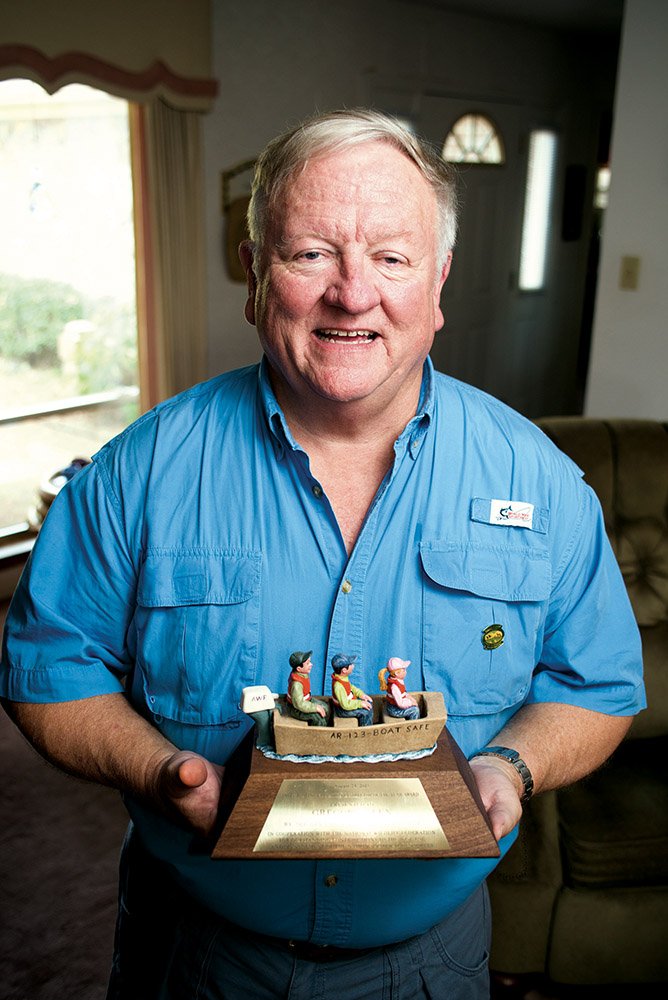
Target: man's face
[305, 667]
[347, 297]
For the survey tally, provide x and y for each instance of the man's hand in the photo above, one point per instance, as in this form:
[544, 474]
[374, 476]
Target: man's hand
[104, 739]
[498, 784]
[189, 786]
[560, 744]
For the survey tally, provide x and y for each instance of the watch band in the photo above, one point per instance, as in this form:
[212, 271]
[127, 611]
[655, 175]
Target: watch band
[513, 758]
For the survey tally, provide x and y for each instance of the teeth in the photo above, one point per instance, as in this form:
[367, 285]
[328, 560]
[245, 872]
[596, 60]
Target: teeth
[345, 334]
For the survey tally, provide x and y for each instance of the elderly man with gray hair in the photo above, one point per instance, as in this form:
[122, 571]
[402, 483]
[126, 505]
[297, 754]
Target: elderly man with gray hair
[344, 494]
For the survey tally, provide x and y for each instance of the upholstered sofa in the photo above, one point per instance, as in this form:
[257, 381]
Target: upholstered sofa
[582, 897]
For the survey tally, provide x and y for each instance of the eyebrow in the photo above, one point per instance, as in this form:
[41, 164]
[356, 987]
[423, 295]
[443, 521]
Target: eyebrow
[283, 245]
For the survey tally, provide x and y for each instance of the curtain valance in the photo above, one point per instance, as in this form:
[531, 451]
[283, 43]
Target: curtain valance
[135, 49]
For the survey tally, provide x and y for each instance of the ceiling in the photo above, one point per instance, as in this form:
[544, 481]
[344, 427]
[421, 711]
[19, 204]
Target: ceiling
[589, 15]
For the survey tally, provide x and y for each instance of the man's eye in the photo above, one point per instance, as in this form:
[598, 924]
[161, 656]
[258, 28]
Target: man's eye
[310, 255]
[390, 259]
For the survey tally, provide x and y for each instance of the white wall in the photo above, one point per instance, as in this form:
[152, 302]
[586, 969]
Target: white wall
[279, 60]
[628, 374]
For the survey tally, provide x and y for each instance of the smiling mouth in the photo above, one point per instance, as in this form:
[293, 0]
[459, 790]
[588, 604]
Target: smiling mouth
[346, 336]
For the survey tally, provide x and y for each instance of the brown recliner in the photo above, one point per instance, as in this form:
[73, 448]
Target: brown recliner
[582, 897]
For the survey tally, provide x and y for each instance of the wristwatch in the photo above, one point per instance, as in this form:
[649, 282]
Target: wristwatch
[513, 758]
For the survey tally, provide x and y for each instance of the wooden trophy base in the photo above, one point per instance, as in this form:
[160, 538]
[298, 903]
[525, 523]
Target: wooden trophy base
[426, 808]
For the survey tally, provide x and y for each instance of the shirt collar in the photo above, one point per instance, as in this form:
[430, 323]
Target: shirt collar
[426, 400]
[276, 422]
[416, 429]
[411, 437]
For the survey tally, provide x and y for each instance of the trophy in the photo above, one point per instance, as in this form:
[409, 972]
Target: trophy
[382, 779]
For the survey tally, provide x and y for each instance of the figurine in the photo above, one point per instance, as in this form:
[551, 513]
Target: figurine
[349, 700]
[299, 701]
[399, 704]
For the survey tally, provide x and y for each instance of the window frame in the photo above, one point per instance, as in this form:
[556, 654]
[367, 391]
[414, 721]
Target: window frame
[496, 135]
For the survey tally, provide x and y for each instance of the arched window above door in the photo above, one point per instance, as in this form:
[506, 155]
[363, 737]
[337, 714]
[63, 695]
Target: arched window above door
[474, 138]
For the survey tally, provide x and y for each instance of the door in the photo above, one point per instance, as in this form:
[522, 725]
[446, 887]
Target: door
[495, 336]
[476, 296]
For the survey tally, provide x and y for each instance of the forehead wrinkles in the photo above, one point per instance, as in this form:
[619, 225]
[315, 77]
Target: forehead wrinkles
[357, 198]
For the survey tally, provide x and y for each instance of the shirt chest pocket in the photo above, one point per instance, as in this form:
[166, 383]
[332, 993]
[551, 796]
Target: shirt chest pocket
[483, 616]
[197, 626]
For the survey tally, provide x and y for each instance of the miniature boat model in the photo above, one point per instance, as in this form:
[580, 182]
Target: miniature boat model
[387, 735]
[273, 804]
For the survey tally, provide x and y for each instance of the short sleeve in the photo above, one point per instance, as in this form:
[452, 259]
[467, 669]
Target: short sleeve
[591, 653]
[65, 636]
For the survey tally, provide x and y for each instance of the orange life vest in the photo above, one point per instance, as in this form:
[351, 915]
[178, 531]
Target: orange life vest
[305, 683]
[391, 681]
[345, 683]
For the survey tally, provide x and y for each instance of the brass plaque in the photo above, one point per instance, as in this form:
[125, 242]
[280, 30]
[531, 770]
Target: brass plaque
[370, 813]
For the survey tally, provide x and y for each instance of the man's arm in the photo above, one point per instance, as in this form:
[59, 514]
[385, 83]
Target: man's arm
[103, 739]
[559, 743]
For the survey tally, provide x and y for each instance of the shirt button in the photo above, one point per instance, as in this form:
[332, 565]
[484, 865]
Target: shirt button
[346, 586]
[331, 881]
[317, 492]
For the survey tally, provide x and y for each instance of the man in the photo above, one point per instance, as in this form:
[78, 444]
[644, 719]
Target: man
[300, 703]
[358, 468]
[348, 699]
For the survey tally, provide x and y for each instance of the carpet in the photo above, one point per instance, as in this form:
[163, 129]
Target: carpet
[60, 840]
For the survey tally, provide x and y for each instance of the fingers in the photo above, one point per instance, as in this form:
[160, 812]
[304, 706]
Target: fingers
[499, 795]
[190, 790]
[183, 773]
[192, 772]
[502, 819]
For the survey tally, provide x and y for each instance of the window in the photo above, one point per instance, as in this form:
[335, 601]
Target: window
[473, 139]
[68, 326]
[602, 187]
[537, 204]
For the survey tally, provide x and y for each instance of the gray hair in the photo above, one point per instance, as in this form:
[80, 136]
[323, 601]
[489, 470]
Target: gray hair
[337, 130]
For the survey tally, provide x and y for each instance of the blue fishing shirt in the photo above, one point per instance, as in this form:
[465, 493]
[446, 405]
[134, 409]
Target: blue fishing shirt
[197, 551]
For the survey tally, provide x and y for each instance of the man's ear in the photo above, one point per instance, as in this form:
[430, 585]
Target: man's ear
[247, 256]
[438, 288]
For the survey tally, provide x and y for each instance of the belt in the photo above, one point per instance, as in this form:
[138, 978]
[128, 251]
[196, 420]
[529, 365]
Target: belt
[305, 951]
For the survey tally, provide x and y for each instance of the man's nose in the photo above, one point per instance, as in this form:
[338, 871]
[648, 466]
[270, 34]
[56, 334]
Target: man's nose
[354, 287]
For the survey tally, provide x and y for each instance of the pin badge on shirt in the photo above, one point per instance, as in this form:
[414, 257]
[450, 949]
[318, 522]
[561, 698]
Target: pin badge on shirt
[493, 636]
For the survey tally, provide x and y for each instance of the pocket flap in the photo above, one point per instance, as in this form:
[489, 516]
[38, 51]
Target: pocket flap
[505, 574]
[172, 578]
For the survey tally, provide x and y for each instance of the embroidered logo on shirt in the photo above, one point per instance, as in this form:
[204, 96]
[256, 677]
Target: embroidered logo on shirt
[493, 636]
[514, 513]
